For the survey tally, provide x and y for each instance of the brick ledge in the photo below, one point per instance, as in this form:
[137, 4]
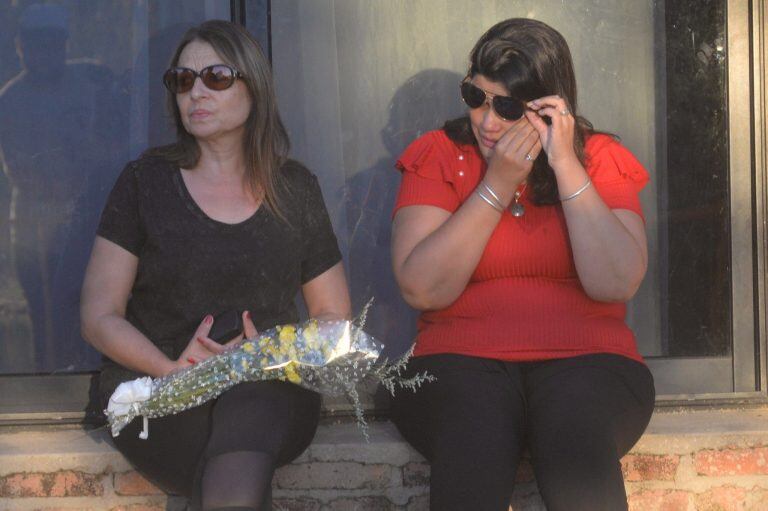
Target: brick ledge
[687, 460]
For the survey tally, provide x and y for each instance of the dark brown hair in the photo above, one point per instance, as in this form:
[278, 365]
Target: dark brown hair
[532, 60]
[265, 141]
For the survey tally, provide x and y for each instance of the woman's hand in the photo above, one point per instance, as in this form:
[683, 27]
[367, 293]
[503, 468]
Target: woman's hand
[512, 158]
[556, 137]
[201, 347]
[609, 247]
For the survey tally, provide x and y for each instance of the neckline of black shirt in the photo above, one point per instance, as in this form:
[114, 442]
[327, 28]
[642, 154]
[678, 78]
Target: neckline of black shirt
[195, 208]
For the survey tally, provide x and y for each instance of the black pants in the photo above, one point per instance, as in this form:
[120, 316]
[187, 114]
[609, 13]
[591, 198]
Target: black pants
[274, 417]
[577, 417]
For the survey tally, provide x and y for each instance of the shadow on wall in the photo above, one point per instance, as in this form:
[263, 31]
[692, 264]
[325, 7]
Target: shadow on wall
[423, 103]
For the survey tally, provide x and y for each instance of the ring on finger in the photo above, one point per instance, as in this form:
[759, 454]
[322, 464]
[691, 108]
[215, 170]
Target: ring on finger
[564, 111]
[528, 157]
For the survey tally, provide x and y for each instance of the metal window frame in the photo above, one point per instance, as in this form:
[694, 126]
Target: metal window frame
[745, 252]
[741, 375]
[237, 12]
[759, 75]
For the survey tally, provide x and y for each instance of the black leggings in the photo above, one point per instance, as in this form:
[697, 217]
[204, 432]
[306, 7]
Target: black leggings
[577, 417]
[273, 418]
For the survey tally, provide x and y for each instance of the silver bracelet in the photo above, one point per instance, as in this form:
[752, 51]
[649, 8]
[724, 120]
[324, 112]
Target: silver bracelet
[577, 192]
[493, 194]
[489, 201]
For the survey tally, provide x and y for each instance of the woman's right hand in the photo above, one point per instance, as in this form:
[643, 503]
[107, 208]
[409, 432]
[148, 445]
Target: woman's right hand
[512, 158]
[201, 347]
[435, 251]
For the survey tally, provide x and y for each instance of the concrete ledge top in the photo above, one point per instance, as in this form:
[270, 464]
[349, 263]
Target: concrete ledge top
[678, 432]
[703, 422]
[55, 448]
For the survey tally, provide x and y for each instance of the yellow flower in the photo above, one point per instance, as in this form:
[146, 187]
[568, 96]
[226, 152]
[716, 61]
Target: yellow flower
[292, 374]
[269, 353]
[311, 333]
[287, 333]
[248, 347]
[264, 342]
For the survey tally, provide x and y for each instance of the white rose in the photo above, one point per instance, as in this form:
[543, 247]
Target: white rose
[128, 394]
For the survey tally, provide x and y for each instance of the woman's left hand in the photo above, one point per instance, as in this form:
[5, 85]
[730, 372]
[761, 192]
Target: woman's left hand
[556, 137]
[214, 348]
[249, 330]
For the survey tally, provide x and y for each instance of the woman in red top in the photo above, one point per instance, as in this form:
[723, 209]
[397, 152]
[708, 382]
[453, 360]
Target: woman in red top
[518, 233]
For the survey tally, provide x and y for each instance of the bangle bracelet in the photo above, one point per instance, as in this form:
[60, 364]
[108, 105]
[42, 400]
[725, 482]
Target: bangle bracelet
[577, 192]
[493, 194]
[489, 201]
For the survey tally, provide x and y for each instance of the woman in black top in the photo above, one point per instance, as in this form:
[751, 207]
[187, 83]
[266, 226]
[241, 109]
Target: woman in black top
[221, 220]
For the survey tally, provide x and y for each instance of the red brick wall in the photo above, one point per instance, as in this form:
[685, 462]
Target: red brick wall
[713, 472]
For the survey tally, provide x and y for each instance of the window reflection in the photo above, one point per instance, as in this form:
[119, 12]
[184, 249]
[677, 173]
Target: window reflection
[68, 119]
[83, 96]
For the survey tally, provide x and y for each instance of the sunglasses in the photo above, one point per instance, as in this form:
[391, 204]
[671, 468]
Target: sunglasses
[506, 107]
[179, 80]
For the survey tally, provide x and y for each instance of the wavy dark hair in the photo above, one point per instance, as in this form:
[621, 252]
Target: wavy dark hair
[265, 140]
[532, 60]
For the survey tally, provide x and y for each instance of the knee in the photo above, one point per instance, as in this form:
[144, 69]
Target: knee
[579, 471]
[473, 472]
[576, 443]
[277, 419]
[264, 399]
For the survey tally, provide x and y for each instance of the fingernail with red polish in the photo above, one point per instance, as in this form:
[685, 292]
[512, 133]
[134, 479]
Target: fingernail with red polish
[208, 319]
[247, 314]
[191, 360]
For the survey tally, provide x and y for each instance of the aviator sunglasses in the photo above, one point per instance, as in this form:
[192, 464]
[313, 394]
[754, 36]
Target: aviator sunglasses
[506, 107]
[179, 80]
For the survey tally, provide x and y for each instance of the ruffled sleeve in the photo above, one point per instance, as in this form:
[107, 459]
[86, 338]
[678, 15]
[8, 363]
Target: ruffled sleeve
[615, 172]
[428, 177]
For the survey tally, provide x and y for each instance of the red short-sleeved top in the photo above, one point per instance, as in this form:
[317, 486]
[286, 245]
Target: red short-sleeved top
[524, 300]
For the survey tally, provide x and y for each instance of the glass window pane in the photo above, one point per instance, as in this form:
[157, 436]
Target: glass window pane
[358, 81]
[693, 199]
[81, 95]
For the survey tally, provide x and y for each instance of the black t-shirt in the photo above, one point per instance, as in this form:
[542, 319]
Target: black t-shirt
[191, 265]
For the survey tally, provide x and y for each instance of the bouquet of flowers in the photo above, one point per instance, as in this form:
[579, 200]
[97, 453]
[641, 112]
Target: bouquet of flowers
[330, 357]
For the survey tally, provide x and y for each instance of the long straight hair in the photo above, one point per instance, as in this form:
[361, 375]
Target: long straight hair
[265, 140]
[532, 60]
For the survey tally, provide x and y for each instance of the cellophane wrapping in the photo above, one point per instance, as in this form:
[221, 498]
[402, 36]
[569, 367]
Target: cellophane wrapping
[330, 357]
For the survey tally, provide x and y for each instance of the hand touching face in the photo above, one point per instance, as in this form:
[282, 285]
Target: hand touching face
[487, 126]
[509, 146]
